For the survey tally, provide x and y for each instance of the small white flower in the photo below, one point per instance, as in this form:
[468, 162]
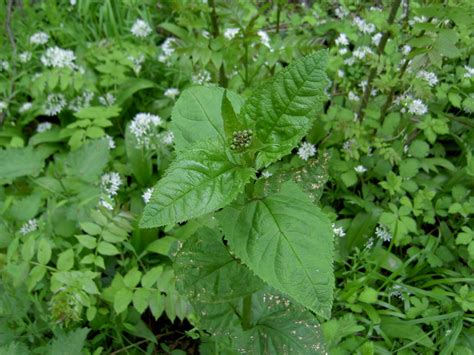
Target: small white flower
[137, 62]
[205, 34]
[417, 107]
[29, 226]
[341, 12]
[376, 39]
[24, 57]
[201, 77]
[4, 65]
[110, 142]
[405, 149]
[353, 97]
[3, 106]
[56, 57]
[306, 150]
[145, 128]
[340, 73]
[406, 49]
[363, 26]
[106, 204]
[230, 33]
[349, 61]
[55, 103]
[347, 146]
[81, 101]
[360, 169]
[418, 19]
[107, 100]
[338, 231]
[171, 93]
[39, 38]
[110, 183]
[342, 40]
[141, 29]
[362, 52]
[167, 49]
[266, 174]
[168, 138]
[382, 233]
[147, 195]
[342, 51]
[396, 291]
[428, 76]
[370, 243]
[44, 126]
[264, 39]
[25, 107]
[469, 72]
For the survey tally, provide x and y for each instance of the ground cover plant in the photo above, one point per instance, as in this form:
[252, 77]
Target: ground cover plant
[221, 177]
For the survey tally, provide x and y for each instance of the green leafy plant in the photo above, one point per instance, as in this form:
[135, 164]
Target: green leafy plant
[277, 259]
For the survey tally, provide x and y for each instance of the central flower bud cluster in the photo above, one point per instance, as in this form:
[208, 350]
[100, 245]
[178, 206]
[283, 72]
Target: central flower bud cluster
[241, 139]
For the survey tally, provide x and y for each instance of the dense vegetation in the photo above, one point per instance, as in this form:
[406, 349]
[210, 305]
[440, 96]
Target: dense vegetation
[221, 177]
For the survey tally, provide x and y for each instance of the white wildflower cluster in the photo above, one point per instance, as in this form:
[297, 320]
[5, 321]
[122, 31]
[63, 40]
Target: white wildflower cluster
[29, 227]
[39, 38]
[147, 195]
[352, 96]
[24, 57]
[362, 52]
[171, 93]
[360, 169]
[265, 39]
[3, 106]
[4, 65]
[81, 101]
[341, 12]
[428, 76]
[44, 126]
[348, 145]
[340, 73]
[145, 128]
[168, 138]
[343, 50]
[370, 243]
[342, 40]
[306, 150]
[230, 33]
[167, 49]
[418, 19]
[382, 233]
[110, 184]
[106, 204]
[137, 62]
[364, 27]
[266, 174]
[396, 291]
[412, 105]
[25, 107]
[201, 78]
[110, 141]
[469, 72]
[406, 49]
[54, 104]
[376, 39]
[338, 231]
[141, 29]
[56, 57]
[107, 100]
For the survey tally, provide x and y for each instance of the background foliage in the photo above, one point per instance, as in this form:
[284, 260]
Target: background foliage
[395, 144]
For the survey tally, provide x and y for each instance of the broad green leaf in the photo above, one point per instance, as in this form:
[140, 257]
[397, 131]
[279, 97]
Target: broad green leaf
[88, 162]
[163, 246]
[206, 271]
[98, 112]
[132, 278]
[65, 260]
[200, 181]
[106, 248]
[68, 343]
[130, 87]
[44, 252]
[141, 298]
[91, 228]
[197, 116]
[122, 299]
[288, 242]
[157, 304]
[17, 162]
[283, 109]
[277, 325]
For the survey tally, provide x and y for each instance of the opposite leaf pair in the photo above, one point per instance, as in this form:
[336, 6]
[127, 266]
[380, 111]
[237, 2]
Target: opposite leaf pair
[220, 142]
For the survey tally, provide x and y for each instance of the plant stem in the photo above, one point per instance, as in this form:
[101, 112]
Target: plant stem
[247, 313]
[373, 71]
[223, 81]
